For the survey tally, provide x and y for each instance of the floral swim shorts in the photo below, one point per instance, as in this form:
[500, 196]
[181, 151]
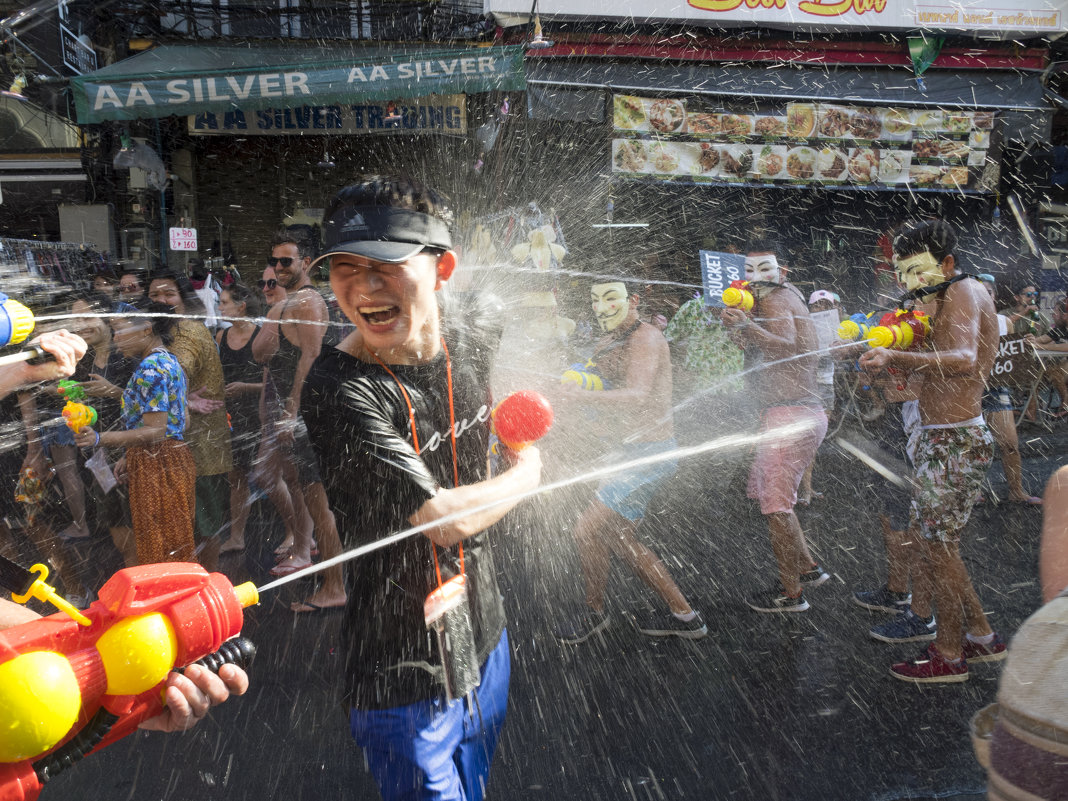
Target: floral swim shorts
[951, 464]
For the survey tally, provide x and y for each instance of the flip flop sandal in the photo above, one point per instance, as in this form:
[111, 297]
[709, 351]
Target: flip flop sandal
[289, 568]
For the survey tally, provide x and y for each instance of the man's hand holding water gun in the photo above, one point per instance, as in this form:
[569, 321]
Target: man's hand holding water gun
[189, 694]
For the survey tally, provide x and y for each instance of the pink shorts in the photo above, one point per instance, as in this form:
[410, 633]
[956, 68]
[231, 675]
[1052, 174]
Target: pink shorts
[780, 462]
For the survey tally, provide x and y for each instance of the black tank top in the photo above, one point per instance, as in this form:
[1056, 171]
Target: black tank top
[238, 365]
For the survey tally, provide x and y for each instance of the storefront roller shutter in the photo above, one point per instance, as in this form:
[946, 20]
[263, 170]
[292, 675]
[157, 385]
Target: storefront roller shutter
[1003, 90]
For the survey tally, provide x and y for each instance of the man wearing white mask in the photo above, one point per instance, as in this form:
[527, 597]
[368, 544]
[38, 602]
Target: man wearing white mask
[632, 358]
[953, 452]
[793, 423]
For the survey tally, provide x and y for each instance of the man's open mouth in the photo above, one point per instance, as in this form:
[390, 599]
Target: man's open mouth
[379, 315]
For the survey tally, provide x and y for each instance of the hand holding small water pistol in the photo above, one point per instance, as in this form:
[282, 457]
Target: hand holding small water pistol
[78, 416]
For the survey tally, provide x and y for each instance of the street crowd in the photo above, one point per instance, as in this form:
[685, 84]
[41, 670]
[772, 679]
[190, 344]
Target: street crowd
[368, 409]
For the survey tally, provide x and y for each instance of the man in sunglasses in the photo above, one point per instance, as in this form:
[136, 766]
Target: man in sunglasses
[289, 343]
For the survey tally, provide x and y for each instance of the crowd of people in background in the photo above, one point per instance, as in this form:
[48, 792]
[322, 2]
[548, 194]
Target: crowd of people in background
[210, 393]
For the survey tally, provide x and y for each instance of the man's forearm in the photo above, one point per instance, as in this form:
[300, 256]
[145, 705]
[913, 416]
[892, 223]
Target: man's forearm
[951, 362]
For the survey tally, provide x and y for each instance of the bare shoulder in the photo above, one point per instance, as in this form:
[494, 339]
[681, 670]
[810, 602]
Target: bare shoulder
[306, 304]
[649, 340]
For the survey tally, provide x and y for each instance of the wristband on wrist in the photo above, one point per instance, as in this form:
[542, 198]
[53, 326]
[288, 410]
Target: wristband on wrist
[97, 438]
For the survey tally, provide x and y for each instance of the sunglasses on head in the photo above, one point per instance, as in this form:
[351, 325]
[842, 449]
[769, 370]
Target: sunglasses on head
[285, 261]
[270, 283]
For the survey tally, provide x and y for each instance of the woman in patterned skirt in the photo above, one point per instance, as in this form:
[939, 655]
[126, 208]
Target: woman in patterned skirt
[157, 463]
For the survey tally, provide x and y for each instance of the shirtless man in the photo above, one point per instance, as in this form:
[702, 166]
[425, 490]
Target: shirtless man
[289, 343]
[781, 330]
[632, 357]
[955, 449]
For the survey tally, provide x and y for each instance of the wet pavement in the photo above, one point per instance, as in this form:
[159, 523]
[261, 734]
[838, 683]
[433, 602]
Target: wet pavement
[767, 707]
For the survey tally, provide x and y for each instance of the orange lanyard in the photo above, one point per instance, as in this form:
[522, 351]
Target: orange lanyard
[452, 437]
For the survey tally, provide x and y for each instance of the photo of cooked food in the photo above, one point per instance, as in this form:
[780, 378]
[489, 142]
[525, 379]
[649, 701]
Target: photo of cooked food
[736, 161]
[894, 166]
[979, 139]
[831, 164]
[977, 158]
[629, 155]
[667, 116]
[771, 126]
[864, 165]
[800, 120]
[708, 160]
[926, 149]
[955, 178]
[736, 124]
[834, 122]
[663, 159]
[953, 149]
[771, 161]
[983, 120]
[801, 163]
[925, 175]
[699, 122]
[628, 113]
[958, 122]
[930, 121]
[897, 123]
[865, 124]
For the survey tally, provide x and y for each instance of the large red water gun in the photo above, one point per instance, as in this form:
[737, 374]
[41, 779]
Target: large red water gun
[521, 419]
[77, 681]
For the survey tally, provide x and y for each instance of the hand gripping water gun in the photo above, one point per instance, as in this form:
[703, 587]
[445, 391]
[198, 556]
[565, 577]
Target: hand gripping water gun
[78, 415]
[738, 295]
[75, 682]
[521, 419]
[856, 327]
[584, 376]
[901, 329]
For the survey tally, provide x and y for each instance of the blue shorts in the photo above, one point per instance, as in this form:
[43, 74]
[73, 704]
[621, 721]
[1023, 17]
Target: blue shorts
[997, 399]
[628, 493]
[436, 750]
[58, 434]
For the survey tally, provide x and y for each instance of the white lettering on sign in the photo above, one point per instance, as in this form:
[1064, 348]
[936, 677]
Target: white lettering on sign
[183, 238]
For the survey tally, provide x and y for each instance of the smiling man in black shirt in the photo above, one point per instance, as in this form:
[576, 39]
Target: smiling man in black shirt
[399, 413]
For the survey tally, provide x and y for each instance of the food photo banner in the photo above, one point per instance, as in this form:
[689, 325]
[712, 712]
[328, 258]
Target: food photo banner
[822, 144]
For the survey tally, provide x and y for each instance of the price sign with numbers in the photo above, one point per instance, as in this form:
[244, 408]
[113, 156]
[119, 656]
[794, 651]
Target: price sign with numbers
[1015, 365]
[183, 238]
[717, 272]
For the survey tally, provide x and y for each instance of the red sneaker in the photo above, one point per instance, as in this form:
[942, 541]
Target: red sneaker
[930, 667]
[993, 651]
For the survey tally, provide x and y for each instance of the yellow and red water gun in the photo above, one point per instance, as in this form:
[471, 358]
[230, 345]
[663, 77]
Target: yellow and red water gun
[78, 416]
[901, 329]
[76, 681]
[738, 295]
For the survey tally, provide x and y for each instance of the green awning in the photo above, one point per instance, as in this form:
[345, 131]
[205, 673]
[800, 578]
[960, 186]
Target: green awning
[187, 79]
